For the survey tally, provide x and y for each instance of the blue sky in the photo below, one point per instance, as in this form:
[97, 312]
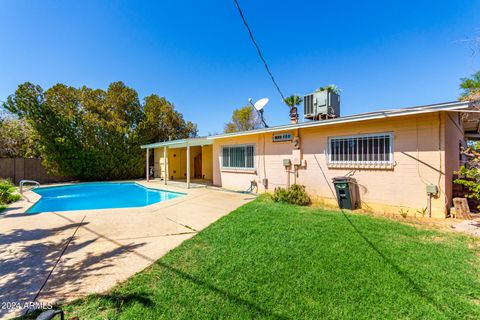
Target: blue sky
[382, 54]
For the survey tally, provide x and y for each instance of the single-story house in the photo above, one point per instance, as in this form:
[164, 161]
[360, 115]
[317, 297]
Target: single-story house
[394, 156]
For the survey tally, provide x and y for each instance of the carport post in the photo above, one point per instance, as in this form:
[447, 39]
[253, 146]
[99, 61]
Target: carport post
[165, 172]
[147, 169]
[188, 165]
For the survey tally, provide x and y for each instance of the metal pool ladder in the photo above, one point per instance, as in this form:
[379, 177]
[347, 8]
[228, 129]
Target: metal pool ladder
[36, 184]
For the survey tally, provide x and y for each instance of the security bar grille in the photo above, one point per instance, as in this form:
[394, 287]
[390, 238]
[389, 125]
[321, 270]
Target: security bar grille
[361, 149]
[238, 157]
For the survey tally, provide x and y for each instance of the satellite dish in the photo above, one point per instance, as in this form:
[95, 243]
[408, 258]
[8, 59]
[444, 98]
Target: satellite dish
[260, 104]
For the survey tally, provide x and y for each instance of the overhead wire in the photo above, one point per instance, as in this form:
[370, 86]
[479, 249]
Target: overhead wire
[258, 49]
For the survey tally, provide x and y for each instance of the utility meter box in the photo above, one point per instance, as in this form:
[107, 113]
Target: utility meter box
[287, 163]
[296, 157]
[432, 189]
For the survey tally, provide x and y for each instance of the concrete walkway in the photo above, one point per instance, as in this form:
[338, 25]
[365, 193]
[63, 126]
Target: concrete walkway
[100, 247]
[471, 227]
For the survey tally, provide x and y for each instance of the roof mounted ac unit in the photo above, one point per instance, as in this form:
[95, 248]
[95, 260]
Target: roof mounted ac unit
[321, 105]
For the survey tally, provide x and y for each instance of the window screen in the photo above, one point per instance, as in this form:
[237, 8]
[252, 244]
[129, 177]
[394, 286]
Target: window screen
[241, 157]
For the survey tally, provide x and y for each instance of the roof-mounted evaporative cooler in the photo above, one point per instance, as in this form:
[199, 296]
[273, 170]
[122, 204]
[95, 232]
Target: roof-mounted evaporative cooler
[321, 105]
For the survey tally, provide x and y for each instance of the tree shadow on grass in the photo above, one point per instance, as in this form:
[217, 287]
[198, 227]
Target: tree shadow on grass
[118, 302]
[121, 301]
[416, 288]
[404, 275]
[224, 293]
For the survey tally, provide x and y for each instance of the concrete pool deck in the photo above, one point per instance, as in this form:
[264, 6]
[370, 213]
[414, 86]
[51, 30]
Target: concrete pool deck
[89, 251]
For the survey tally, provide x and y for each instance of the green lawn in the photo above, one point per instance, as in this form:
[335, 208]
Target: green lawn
[268, 260]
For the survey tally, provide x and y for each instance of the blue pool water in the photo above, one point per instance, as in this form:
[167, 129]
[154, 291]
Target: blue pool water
[103, 195]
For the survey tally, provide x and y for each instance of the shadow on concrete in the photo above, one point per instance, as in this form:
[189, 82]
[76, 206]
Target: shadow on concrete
[3, 213]
[28, 257]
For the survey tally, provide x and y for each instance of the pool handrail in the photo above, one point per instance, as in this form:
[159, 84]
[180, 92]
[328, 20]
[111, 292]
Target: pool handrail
[35, 183]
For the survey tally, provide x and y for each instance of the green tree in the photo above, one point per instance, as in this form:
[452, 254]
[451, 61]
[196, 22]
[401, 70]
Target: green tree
[92, 134]
[293, 101]
[471, 87]
[162, 122]
[243, 119]
[17, 139]
[469, 174]
[330, 88]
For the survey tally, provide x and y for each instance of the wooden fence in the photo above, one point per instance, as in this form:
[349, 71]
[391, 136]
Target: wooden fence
[17, 169]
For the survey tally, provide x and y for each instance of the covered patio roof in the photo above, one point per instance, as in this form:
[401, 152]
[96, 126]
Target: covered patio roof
[182, 143]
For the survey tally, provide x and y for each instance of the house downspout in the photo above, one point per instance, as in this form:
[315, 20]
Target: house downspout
[295, 166]
[440, 164]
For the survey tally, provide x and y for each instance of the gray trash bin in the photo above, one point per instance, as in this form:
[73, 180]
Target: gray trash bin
[346, 190]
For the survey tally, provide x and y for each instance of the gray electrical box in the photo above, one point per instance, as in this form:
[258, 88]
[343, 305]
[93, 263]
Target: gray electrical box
[321, 104]
[287, 163]
[432, 189]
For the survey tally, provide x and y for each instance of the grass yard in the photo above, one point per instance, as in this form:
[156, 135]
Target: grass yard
[277, 261]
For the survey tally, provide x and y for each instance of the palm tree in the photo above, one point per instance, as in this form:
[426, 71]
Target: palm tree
[330, 88]
[471, 87]
[292, 102]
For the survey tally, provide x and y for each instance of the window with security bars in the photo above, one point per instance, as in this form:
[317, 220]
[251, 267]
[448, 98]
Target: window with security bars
[361, 149]
[238, 157]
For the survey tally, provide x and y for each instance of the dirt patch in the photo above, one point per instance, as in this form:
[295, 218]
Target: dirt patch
[470, 227]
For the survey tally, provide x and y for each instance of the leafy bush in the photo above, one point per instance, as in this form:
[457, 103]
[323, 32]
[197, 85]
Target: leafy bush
[470, 180]
[295, 195]
[469, 174]
[17, 138]
[7, 194]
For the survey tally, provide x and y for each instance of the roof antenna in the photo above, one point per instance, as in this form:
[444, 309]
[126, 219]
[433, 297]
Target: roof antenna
[259, 107]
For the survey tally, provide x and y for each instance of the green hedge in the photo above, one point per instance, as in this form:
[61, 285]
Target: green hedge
[7, 193]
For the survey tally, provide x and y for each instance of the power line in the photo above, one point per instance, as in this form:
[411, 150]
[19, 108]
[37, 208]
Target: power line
[258, 49]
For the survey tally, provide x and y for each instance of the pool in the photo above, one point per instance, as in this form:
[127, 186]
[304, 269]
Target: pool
[101, 195]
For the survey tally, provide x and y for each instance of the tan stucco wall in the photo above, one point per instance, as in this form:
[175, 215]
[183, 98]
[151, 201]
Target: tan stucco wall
[176, 162]
[207, 164]
[419, 154]
[453, 139]
[158, 163]
[177, 159]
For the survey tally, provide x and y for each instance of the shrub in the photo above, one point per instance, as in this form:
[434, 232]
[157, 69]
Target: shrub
[469, 174]
[295, 195]
[7, 194]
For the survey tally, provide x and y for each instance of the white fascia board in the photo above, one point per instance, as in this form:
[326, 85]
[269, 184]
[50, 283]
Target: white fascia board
[349, 119]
